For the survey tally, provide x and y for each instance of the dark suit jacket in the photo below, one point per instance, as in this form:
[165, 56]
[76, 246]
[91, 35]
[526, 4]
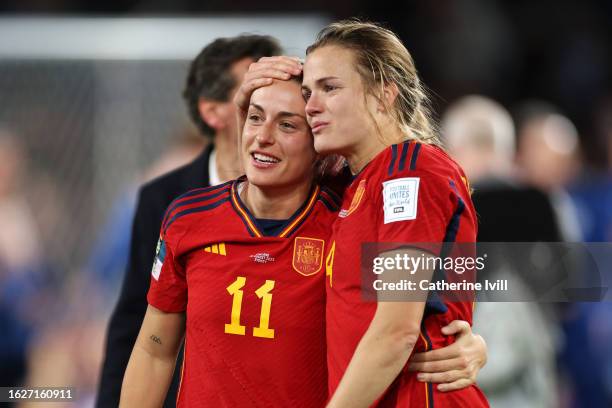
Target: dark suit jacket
[153, 199]
[510, 212]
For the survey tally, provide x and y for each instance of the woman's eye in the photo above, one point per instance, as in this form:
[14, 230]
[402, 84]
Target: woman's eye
[287, 125]
[329, 88]
[306, 95]
[254, 117]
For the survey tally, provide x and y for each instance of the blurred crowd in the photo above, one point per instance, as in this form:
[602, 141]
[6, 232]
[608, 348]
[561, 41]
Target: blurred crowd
[52, 323]
[541, 354]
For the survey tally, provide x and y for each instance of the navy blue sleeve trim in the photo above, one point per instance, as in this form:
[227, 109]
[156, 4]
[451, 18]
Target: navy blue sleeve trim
[402, 161]
[393, 158]
[194, 210]
[415, 155]
[333, 195]
[331, 207]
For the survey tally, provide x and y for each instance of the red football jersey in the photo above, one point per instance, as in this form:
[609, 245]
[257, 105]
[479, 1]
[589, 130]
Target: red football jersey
[255, 305]
[409, 193]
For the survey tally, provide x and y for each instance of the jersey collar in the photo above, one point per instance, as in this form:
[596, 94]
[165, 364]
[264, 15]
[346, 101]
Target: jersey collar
[291, 225]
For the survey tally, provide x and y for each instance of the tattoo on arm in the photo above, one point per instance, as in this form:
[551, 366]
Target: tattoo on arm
[155, 339]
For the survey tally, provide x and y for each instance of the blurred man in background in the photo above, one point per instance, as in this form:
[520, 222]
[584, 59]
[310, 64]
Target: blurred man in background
[479, 134]
[547, 159]
[211, 83]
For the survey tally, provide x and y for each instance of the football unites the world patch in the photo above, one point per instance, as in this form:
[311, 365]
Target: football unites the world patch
[160, 255]
[308, 255]
[400, 198]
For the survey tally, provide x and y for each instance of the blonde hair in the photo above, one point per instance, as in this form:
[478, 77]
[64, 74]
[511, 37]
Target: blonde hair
[382, 59]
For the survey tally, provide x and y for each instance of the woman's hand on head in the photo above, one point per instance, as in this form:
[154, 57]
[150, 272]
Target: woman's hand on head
[263, 73]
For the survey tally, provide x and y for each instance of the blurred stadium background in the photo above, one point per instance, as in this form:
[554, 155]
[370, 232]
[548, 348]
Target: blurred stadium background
[90, 108]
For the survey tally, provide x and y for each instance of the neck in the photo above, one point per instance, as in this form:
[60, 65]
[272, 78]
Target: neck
[228, 162]
[277, 203]
[370, 146]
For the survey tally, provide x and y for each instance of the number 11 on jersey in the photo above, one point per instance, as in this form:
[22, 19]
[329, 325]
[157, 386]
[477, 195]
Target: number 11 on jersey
[234, 327]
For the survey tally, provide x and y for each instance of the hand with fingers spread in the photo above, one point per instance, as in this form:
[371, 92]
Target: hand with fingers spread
[456, 366]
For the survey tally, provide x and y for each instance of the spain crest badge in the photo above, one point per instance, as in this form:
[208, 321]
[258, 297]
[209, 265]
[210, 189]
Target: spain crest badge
[308, 255]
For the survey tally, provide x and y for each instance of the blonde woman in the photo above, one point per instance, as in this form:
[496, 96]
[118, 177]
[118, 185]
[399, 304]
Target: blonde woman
[364, 101]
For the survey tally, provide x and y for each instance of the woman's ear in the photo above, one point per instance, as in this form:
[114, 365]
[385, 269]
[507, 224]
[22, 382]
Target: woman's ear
[390, 92]
[209, 114]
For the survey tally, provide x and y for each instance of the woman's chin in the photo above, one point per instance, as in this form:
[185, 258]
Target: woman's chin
[323, 147]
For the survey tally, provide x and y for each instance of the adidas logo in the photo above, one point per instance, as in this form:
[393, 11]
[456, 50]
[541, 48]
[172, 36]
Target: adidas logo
[216, 249]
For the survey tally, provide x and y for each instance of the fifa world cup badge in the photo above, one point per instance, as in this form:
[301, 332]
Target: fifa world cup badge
[160, 255]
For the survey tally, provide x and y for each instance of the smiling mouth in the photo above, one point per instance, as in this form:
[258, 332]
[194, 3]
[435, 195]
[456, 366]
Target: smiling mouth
[264, 160]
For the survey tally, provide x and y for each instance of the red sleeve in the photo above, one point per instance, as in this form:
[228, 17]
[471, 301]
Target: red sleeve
[168, 290]
[414, 207]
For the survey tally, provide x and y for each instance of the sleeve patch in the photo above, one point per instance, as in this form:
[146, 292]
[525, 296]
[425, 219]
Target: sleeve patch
[400, 198]
[160, 255]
